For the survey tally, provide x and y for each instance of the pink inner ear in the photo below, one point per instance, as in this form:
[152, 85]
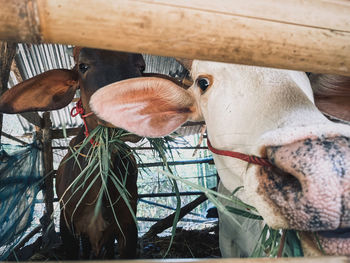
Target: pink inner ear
[155, 125]
[151, 107]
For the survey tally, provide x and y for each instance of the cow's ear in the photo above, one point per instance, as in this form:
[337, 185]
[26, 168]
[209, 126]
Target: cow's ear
[332, 95]
[147, 106]
[338, 107]
[50, 90]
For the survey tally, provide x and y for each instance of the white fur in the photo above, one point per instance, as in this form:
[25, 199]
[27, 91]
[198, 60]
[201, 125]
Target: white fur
[247, 108]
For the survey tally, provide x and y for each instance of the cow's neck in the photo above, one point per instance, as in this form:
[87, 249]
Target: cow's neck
[78, 140]
[241, 128]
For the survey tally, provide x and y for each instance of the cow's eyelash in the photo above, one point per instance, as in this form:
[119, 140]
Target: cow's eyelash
[204, 82]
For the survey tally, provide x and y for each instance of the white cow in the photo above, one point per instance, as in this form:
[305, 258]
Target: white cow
[257, 111]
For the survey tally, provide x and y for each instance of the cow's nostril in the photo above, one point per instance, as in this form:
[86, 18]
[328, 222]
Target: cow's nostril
[310, 183]
[285, 183]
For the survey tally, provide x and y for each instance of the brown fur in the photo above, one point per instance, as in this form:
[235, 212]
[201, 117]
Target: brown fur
[332, 95]
[81, 221]
[55, 89]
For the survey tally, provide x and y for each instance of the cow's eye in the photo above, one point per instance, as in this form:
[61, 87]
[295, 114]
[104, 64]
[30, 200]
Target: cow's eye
[203, 83]
[83, 67]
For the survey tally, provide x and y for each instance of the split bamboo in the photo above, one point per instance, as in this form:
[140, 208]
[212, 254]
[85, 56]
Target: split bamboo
[230, 260]
[308, 35]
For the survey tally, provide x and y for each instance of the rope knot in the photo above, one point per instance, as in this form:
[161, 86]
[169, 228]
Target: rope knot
[79, 110]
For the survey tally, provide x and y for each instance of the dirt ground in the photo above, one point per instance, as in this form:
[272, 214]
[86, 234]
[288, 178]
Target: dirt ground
[186, 244]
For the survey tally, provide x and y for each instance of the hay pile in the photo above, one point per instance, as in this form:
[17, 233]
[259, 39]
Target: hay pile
[187, 244]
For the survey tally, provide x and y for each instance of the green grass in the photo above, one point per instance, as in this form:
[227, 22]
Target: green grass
[162, 149]
[99, 168]
[271, 243]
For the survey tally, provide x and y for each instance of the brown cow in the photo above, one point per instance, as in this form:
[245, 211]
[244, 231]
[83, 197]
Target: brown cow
[332, 95]
[55, 89]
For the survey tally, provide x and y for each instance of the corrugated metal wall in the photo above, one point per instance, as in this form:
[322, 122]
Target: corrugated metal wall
[32, 60]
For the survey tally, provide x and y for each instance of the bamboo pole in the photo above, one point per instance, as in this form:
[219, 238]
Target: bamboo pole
[48, 228]
[143, 148]
[160, 164]
[167, 222]
[152, 219]
[332, 259]
[58, 134]
[48, 163]
[26, 239]
[7, 53]
[9, 136]
[308, 35]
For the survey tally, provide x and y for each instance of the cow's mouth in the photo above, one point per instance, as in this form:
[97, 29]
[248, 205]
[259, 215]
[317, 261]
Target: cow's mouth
[342, 233]
[308, 185]
[334, 242]
[329, 242]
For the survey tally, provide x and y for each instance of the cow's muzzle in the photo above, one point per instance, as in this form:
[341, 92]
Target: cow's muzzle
[310, 183]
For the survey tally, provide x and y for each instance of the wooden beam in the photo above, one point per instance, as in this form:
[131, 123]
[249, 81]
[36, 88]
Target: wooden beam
[308, 35]
[32, 117]
[27, 238]
[9, 136]
[144, 148]
[329, 259]
[48, 162]
[208, 160]
[48, 175]
[167, 222]
[7, 54]
[58, 134]
[151, 195]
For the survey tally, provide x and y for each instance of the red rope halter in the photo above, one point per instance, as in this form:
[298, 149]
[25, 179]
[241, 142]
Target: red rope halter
[78, 108]
[244, 157]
